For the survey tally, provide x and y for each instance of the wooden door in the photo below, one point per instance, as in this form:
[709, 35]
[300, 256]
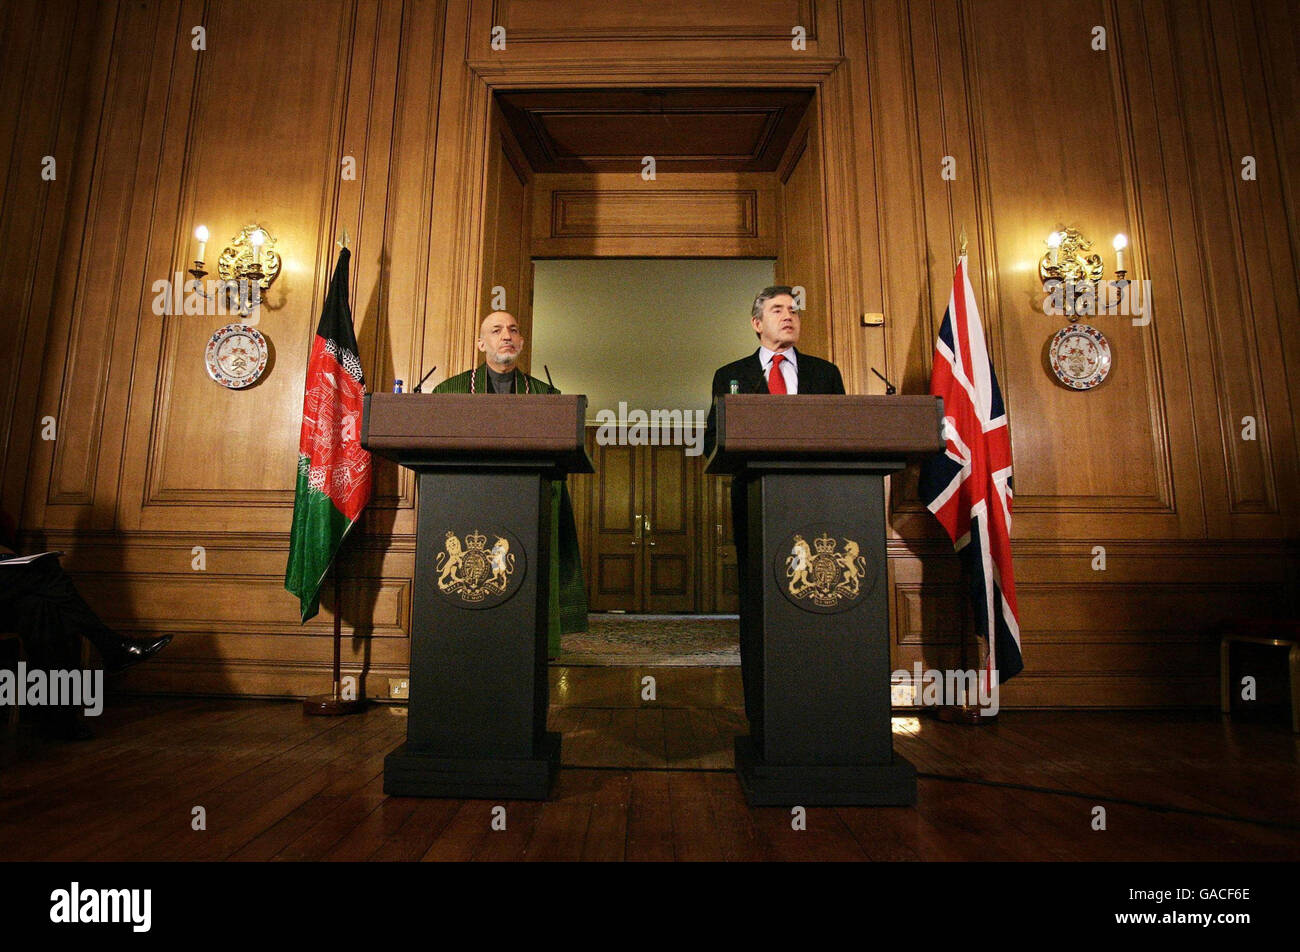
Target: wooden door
[720, 548]
[616, 530]
[644, 530]
[669, 505]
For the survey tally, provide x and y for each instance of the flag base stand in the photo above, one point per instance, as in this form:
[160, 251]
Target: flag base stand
[330, 705]
[963, 714]
[334, 703]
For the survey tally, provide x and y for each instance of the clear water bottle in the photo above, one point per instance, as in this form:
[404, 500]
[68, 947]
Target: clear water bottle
[735, 386]
[397, 386]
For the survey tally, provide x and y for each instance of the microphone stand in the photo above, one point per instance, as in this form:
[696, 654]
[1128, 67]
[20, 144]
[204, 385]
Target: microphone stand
[423, 379]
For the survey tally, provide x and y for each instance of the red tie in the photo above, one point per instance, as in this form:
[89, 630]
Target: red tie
[776, 379]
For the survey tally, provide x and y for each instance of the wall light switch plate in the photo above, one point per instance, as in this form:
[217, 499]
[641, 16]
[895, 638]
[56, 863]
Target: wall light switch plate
[399, 689]
[902, 695]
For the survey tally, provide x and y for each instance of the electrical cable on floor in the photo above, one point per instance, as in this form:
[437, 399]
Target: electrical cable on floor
[1157, 807]
[1031, 788]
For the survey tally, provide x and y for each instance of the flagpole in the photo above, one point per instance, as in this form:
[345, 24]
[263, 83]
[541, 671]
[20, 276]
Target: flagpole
[342, 474]
[965, 713]
[338, 631]
[335, 703]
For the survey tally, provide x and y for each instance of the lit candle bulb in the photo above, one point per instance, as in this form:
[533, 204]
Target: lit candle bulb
[258, 238]
[1054, 243]
[201, 233]
[1120, 243]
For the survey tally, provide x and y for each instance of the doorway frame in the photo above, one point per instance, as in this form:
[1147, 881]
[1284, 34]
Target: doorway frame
[460, 186]
[464, 139]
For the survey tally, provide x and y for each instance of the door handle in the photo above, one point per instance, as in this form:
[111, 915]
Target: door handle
[650, 543]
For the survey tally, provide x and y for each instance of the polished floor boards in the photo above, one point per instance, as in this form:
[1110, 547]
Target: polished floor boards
[645, 780]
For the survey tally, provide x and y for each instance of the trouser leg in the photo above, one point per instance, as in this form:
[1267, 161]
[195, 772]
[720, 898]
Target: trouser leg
[38, 607]
[58, 612]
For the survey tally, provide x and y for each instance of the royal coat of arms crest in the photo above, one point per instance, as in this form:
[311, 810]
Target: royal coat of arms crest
[470, 572]
[822, 574]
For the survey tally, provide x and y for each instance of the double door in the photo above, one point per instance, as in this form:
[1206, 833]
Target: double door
[644, 545]
[655, 531]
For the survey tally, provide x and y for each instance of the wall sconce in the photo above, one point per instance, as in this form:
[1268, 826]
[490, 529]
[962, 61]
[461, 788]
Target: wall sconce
[251, 255]
[1079, 354]
[1067, 259]
[249, 260]
[1119, 243]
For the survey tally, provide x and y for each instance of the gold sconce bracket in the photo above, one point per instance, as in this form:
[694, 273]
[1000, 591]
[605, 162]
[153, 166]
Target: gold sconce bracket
[242, 258]
[1070, 260]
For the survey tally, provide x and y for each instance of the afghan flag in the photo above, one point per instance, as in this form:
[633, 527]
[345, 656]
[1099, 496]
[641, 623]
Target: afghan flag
[333, 469]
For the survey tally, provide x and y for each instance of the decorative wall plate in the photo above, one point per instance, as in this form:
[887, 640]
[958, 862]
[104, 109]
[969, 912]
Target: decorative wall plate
[236, 356]
[1080, 356]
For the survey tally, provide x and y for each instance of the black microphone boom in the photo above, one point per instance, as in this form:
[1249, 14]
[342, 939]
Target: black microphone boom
[890, 389]
[423, 379]
[548, 376]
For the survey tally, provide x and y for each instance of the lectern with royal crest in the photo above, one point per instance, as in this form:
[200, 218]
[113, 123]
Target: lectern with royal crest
[478, 697]
[814, 612]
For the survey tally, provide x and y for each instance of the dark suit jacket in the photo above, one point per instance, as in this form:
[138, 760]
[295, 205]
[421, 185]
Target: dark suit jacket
[815, 376]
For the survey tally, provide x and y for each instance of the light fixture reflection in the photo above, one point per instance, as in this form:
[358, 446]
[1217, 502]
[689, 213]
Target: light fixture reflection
[905, 725]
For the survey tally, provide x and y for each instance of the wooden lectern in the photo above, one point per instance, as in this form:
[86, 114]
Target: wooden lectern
[814, 613]
[476, 725]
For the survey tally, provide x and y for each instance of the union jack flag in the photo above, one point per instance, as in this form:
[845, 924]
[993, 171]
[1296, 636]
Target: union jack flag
[968, 485]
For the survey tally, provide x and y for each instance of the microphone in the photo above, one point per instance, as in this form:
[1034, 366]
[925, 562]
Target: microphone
[423, 379]
[890, 389]
[548, 376]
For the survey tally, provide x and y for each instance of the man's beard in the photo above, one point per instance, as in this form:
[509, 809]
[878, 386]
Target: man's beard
[504, 360]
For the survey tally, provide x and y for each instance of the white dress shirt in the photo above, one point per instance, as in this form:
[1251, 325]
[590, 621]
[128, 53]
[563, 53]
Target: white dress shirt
[789, 367]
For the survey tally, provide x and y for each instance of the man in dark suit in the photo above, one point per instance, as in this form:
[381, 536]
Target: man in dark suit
[40, 601]
[776, 325]
[776, 368]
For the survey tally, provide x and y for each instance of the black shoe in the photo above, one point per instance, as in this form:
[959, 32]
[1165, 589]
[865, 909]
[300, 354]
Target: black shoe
[132, 651]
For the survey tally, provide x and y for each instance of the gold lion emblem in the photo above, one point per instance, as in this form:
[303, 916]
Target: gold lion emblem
[470, 570]
[827, 576]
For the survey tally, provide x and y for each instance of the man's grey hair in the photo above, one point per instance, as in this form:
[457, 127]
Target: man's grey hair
[766, 295]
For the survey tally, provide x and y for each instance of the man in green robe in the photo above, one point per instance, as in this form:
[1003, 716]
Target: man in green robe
[502, 342]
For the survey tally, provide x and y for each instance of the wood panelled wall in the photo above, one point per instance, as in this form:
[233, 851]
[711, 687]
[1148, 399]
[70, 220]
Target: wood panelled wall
[802, 259]
[151, 137]
[1150, 466]
[507, 265]
[677, 214]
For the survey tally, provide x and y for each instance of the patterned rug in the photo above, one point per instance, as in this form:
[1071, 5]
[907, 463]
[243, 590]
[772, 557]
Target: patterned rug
[666, 640]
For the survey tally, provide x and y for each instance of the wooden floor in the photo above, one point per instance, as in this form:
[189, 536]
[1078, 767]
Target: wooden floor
[644, 781]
